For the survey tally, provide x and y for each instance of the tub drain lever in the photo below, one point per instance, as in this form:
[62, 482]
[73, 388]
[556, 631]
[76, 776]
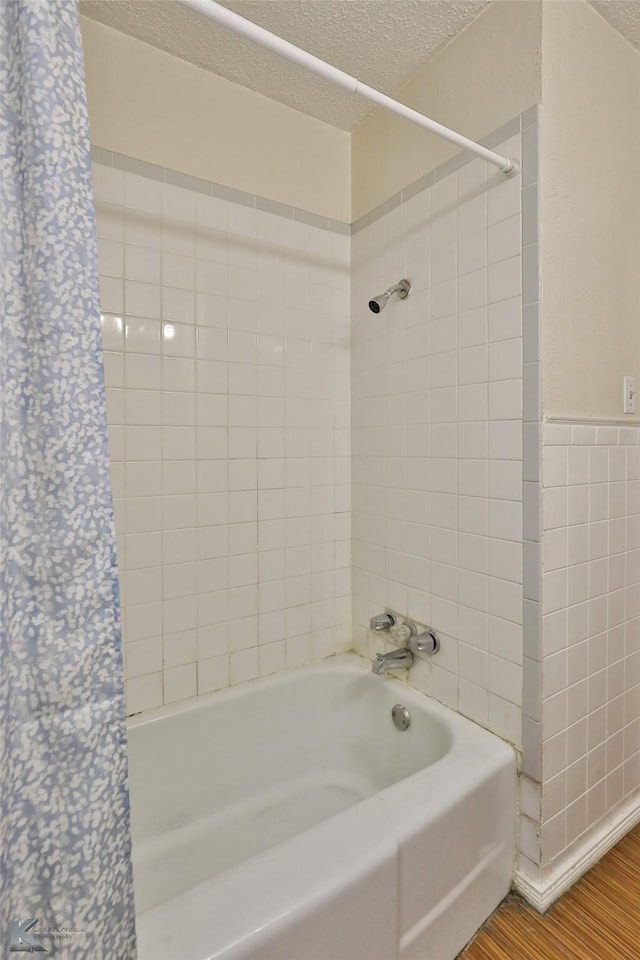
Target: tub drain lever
[401, 716]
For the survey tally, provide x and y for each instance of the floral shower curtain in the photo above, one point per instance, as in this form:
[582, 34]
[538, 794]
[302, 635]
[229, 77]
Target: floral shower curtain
[65, 869]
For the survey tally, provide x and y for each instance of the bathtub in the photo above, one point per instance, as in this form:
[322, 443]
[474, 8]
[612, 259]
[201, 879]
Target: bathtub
[289, 819]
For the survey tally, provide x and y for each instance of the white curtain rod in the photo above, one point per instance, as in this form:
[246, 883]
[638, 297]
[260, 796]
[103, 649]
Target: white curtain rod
[227, 18]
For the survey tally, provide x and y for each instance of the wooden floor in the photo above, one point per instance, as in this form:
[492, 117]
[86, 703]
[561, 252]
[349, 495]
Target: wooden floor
[598, 919]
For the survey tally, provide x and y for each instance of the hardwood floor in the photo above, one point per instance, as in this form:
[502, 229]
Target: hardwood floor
[598, 919]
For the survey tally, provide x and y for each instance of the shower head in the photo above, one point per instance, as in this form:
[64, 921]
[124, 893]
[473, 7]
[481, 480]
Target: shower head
[402, 288]
[378, 304]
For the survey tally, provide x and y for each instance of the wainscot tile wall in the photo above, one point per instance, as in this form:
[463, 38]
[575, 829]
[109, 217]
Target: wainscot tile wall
[437, 398]
[585, 671]
[226, 350]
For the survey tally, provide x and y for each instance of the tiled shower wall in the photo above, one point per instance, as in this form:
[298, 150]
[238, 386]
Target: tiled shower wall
[226, 339]
[229, 369]
[588, 660]
[437, 394]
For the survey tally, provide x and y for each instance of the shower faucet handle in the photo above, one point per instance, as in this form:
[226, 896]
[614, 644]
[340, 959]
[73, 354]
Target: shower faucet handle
[383, 621]
[426, 642]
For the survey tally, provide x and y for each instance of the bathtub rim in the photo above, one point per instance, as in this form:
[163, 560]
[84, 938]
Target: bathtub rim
[454, 722]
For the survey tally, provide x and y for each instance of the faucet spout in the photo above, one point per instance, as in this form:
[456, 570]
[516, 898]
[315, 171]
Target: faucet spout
[400, 659]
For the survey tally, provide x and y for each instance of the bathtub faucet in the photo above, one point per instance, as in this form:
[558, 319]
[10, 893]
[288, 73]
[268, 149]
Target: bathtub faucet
[402, 658]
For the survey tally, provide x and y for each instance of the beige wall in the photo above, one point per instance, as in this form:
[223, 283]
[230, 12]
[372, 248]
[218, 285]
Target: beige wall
[149, 105]
[591, 212]
[489, 74]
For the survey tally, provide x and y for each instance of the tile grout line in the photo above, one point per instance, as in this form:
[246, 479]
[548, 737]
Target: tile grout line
[167, 175]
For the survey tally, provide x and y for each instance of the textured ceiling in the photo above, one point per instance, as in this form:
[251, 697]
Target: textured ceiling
[381, 42]
[623, 15]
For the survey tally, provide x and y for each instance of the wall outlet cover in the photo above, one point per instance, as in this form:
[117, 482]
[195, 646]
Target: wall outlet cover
[629, 394]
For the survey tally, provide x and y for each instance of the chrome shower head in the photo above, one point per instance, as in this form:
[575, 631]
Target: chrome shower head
[378, 304]
[402, 288]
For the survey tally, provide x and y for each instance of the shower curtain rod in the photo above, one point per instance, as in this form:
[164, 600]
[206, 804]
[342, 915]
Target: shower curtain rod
[233, 21]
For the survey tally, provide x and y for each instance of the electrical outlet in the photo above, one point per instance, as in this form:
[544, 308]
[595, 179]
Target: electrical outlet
[629, 396]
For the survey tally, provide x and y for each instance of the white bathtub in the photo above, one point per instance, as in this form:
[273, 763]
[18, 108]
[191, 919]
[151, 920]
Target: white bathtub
[288, 819]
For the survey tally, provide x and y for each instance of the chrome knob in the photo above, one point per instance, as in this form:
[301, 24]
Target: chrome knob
[383, 621]
[426, 642]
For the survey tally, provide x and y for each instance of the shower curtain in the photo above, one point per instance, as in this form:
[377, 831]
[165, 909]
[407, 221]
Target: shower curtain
[65, 869]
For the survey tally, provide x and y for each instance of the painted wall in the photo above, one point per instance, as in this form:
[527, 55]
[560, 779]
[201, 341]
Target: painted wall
[146, 104]
[469, 92]
[591, 212]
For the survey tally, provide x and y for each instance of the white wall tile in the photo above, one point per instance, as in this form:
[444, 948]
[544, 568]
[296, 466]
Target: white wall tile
[180, 648]
[111, 294]
[472, 327]
[109, 220]
[143, 657]
[472, 252]
[504, 280]
[505, 320]
[143, 264]
[108, 184]
[180, 683]
[505, 359]
[143, 693]
[586, 662]
[472, 214]
[201, 337]
[142, 335]
[504, 239]
[457, 386]
[505, 400]
[179, 374]
[505, 440]
[141, 299]
[213, 674]
[142, 194]
[472, 290]
[504, 199]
